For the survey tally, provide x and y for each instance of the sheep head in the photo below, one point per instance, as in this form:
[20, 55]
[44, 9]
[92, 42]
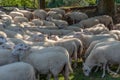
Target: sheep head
[20, 48]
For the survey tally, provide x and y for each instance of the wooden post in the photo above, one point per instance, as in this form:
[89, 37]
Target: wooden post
[42, 4]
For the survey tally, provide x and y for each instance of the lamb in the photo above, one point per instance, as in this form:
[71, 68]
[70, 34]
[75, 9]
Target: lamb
[104, 54]
[52, 62]
[39, 13]
[17, 71]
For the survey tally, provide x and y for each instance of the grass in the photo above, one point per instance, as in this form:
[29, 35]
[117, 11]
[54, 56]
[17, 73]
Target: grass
[78, 75]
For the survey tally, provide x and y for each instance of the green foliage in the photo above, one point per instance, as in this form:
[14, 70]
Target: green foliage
[49, 3]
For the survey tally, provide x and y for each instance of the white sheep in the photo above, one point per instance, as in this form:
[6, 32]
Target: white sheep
[53, 60]
[39, 13]
[59, 23]
[92, 45]
[37, 22]
[75, 17]
[12, 34]
[68, 44]
[15, 13]
[59, 11]
[107, 53]
[97, 29]
[54, 15]
[20, 19]
[17, 71]
[26, 13]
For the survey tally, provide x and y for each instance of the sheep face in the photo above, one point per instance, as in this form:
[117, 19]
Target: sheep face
[86, 70]
[20, 48]
[2, 40]
[7, 45]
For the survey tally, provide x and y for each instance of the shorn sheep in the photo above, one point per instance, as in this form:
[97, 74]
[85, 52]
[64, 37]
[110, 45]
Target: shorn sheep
[102, 55]
[17, 71]
[52, 60]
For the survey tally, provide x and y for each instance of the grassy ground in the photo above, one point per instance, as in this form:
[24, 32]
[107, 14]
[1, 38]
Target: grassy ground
[78, 75]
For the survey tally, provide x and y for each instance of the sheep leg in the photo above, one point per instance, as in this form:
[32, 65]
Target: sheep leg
[48, 76]
[104, 67]
[118, 69]
[66, 72]
[55, 77]
[110, 71]
[96, 69]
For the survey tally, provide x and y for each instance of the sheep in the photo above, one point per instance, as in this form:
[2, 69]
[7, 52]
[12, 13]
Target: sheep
[12, 34]
[51, 31]
[6, 19]
[2, 26]
[3, 39]
[87, 23]
[54, 15]
[75, 17]
[106, 20]
[6, 57]
[97, 29]
[59, 23]
[92, 45]
[39, 13]
[26, 13]
[3, 34]
[7, 45]
[15, 13]
[102, 54]
[77, 42]
[48, 23]
[17, 71]
[117, 32]
[37, 22]
[87, 39]
[20, 19]
[70, 45]
[59, 11]
[53, 59]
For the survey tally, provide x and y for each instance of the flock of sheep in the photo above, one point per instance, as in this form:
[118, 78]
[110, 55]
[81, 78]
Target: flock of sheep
[52, 42]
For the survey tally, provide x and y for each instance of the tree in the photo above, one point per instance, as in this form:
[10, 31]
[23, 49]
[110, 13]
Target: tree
[42, 4]
[106, 7]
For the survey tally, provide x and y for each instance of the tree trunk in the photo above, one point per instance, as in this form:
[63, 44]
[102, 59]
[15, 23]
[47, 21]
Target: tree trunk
[107, 7]
[42, 4]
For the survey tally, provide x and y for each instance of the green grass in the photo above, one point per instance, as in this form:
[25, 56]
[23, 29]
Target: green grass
[78, 75]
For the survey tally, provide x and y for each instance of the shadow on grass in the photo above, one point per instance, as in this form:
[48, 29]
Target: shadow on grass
[78, 75]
